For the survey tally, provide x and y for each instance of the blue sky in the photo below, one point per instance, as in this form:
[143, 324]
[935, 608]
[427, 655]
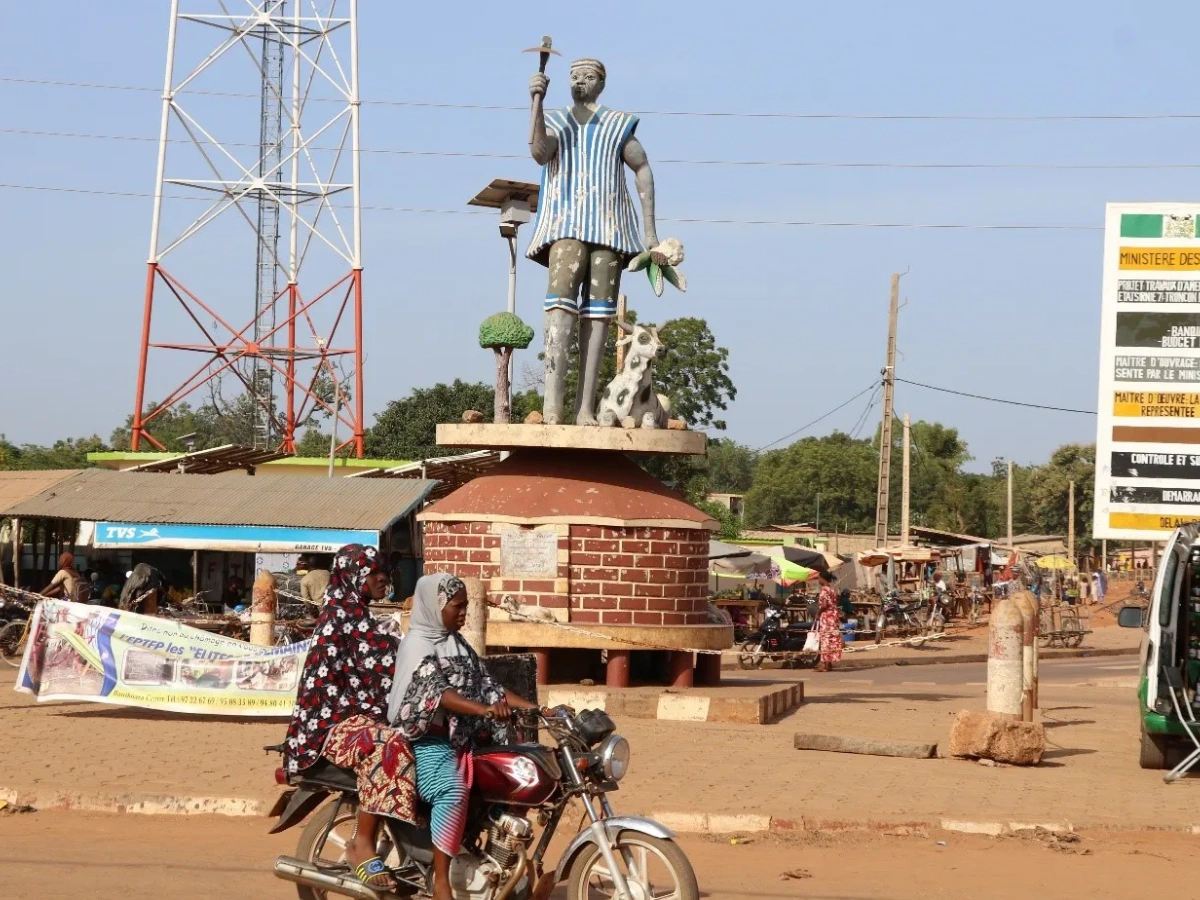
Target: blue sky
[801, 309]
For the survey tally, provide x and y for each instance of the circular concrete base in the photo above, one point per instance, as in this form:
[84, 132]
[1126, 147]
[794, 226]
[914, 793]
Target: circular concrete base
[609, 637]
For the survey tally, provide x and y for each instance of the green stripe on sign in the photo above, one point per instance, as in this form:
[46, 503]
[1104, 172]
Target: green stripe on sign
[1140, 225]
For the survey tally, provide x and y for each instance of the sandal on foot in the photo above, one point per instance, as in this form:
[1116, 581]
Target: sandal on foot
[370, 871]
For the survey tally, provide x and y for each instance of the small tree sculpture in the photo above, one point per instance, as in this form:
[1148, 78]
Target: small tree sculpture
[503, 333]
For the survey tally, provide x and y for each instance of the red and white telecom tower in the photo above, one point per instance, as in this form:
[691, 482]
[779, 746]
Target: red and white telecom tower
[295, 155]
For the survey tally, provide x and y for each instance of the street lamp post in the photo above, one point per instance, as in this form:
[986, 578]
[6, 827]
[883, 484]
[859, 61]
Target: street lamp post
[517, 202]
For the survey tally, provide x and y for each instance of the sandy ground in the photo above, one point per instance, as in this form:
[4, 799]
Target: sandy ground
[1090, 777]
[48, 856]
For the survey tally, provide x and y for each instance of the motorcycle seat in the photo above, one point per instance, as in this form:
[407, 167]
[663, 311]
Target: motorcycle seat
[325, 774]
[910, 607]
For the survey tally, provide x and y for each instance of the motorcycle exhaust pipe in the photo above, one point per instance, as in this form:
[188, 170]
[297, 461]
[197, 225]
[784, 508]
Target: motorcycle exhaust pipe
[289, 868]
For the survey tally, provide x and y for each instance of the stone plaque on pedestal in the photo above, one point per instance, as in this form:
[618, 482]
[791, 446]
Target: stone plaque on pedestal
[528, 552]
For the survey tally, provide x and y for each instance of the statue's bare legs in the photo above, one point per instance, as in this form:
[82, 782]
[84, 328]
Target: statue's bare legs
[558, 326]
[604, 281]
[571, 264]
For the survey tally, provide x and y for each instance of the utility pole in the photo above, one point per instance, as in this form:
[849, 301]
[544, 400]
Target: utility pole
[907, 483]
[1010, 533]
[1071, 523]
[885, 433]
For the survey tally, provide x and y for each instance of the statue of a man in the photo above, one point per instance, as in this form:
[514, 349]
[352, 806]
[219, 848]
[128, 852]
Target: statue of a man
[587, 229]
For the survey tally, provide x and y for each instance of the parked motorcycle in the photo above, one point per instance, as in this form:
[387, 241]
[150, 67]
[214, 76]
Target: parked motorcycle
[621, 857]
[777, 639]
[900, 617]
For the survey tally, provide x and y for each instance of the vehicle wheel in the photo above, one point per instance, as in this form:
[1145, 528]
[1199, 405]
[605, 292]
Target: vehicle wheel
[751, 657]
[324, 840]
[661, 870]
[12, 644]
[1154, 750]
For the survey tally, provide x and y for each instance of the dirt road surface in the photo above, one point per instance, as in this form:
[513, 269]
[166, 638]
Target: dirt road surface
[75, 855]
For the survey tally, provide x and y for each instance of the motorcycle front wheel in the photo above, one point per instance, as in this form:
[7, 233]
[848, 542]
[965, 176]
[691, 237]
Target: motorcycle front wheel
[654, 869]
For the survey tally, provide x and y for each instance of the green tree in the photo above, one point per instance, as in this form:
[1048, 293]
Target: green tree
[1049, 492]
[729, 466]
[407, 428]
[839, 468]
[66, 454]
[694, 373]
[731, 526]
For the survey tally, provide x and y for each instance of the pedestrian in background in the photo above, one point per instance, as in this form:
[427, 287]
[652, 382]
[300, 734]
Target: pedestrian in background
[829, 623]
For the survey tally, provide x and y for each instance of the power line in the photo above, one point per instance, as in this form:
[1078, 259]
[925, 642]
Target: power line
[748, 163]
[866, 413]
[868, 117]
[873, 385]
[1084, 412]
[938, 226]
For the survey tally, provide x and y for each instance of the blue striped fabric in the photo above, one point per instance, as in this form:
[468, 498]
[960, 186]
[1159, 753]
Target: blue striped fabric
[584, 195]
[441, 784]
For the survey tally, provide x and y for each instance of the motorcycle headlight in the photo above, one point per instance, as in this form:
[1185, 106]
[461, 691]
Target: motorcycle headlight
[614, 757]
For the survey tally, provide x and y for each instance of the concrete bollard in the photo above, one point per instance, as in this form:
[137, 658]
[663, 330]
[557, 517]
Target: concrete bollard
[475, 631]
[1028, 643]
[264, 602]
[1005, 643]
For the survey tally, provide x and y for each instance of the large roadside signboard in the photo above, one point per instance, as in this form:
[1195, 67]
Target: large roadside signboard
[1148, 427]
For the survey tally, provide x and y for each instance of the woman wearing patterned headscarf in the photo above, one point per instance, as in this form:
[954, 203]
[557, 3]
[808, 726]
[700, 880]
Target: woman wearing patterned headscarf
[339, 713]
[445, 703]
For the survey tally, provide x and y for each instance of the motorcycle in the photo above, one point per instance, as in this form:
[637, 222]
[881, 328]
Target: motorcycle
[777, 639]
[897, 616]
[622, 857]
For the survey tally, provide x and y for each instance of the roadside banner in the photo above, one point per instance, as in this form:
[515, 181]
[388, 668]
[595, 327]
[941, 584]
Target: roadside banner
[81, 652]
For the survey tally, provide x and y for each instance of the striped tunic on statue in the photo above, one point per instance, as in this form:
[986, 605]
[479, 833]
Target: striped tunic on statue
[583, 193]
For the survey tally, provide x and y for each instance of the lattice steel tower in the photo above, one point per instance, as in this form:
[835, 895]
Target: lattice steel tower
[281, 179]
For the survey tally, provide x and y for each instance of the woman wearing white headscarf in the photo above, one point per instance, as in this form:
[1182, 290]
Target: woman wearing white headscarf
[445, 703]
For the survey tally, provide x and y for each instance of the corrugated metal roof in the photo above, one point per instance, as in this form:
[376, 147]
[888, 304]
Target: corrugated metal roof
[213, 461]
[291, 500]
[16, 487]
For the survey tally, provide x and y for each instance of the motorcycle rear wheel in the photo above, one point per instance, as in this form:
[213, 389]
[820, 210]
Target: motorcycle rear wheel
[12, 643]
[324, 840]
[590, 879]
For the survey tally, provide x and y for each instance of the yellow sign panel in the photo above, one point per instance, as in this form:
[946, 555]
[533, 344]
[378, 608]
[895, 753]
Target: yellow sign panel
[1162, 259]
[1156, 405]
[1148, 521]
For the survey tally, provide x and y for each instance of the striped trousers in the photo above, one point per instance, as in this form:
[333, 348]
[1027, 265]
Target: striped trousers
[444, 782]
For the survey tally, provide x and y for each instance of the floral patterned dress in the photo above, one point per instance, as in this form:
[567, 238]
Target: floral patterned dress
[829, 626]
[340, 710]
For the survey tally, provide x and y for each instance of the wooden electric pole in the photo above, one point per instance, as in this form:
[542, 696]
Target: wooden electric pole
[885, 433]
[1009, 532]
[906, 483]
[1071, 523]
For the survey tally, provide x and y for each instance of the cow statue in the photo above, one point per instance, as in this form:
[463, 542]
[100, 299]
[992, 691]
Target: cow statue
[629, 400]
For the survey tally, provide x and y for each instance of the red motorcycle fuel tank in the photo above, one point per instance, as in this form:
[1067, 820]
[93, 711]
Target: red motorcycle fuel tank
[522, 774]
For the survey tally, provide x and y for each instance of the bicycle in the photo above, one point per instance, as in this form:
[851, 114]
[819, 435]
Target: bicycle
[15, 635]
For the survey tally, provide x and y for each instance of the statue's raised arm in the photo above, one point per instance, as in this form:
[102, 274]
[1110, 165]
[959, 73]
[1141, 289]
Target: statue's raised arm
[542, 144]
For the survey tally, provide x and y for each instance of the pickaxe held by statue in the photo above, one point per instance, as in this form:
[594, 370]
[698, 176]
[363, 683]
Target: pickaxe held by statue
[544, 50]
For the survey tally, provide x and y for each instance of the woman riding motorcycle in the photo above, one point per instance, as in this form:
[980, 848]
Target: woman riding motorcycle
[344, 692]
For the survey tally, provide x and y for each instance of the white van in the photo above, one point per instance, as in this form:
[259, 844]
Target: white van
[1171, 641]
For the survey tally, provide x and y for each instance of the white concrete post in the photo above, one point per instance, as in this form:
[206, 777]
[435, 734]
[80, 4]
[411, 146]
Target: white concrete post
[1005, 638]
